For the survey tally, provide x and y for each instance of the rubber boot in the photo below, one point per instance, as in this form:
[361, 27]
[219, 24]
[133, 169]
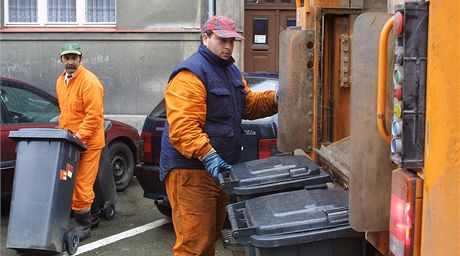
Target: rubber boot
[84, 224]
[95, 213]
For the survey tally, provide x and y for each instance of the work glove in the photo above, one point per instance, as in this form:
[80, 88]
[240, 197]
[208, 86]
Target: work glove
[214, 164]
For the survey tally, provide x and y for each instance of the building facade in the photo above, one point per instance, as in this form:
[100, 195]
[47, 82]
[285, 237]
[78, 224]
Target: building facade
[131, 45]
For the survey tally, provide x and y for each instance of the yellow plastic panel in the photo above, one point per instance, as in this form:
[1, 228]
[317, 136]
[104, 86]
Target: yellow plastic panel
[441, 205]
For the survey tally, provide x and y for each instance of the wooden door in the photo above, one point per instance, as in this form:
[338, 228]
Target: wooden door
[260, 46]
[263, 21]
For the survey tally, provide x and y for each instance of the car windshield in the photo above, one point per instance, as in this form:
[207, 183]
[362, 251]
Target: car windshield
[261, 84]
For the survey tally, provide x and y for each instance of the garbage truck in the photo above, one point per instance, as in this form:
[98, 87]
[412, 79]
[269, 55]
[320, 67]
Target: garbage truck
[374, 87]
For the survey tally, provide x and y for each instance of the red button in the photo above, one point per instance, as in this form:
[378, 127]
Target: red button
[398, 93]
[398, 24]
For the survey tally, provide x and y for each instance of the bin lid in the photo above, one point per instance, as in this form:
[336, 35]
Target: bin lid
[276, 173]
[46, 134]
[292, 217]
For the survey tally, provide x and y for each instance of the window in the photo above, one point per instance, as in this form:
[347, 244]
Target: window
[290, 22]
[273, 1]
[60, 12]
[260, 30]
[24, 105]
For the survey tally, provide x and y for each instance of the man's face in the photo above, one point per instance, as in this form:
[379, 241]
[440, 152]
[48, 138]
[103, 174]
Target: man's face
[71, 62]
[222, 47]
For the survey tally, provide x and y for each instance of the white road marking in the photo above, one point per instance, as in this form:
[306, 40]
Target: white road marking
[122, 235]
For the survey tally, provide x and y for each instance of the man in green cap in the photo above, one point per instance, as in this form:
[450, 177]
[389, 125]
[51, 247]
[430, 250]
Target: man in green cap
[80, 95]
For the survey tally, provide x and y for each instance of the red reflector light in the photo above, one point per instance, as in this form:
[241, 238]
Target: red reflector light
[398, 24]
[405, 213]
[146, 149]
[267, 148]
[400, 226]
[398, 93]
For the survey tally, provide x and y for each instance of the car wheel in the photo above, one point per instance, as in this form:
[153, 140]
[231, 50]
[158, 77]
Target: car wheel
[165, 209]
[122, 163]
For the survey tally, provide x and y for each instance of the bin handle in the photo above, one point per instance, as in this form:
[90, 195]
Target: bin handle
[382, 86]
[226, 181]
[240, 230]
[232, 218]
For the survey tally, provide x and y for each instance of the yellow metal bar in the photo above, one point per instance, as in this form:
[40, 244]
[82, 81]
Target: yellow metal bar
[382, 84]
[441, 198]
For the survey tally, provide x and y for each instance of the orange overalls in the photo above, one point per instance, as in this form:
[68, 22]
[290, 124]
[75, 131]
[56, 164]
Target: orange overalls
[197, 202]
[82, 111]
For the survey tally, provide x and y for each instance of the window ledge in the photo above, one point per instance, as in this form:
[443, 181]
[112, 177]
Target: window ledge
[94, 30]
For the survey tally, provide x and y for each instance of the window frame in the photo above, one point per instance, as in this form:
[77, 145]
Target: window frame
[42, 16]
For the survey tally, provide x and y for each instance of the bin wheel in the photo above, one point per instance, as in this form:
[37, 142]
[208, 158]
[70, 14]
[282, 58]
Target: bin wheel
[109, 212]
[71, 241]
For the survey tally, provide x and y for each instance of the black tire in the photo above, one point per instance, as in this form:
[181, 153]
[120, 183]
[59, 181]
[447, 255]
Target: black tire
[71, 241]
[109, 212]
[122, 164]
[165, 209]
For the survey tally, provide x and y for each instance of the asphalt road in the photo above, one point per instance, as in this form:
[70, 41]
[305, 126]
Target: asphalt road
[137, 229]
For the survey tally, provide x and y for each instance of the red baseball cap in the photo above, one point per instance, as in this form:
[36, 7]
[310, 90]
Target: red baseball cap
[223, 27]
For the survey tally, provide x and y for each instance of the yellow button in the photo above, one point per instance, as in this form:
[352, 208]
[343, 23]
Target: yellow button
[397, 110]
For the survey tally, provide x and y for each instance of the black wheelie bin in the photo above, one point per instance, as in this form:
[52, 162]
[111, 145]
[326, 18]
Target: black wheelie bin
[104, 187]
[44, 180]
[271, 175]
[303, 222]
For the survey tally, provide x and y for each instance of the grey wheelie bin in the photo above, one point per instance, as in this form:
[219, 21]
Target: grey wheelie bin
[271, 175]
[304, 222]
[268, 176]
[44, 180]
[104, 187]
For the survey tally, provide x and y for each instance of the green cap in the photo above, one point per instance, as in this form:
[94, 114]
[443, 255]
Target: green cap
[73, 48]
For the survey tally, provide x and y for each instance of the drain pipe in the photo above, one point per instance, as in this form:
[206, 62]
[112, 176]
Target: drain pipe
[211, 8]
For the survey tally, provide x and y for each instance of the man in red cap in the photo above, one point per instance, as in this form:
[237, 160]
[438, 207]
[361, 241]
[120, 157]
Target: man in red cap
[206, 99]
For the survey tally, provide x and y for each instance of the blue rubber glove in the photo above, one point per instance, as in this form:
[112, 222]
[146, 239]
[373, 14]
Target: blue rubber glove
[214, 164]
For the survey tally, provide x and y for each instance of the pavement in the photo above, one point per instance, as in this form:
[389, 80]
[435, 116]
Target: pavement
[138, 228]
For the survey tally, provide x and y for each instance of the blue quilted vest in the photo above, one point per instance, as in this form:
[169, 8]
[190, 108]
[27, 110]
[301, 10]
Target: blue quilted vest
[225, 102]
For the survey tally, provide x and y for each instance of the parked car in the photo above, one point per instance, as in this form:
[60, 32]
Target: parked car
[26, 106]
[259, 141]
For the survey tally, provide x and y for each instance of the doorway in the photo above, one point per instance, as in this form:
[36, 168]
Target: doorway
[263, 21]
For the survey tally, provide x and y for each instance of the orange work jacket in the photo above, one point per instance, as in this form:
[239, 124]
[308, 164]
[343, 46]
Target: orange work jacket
[82, 106]
[185, 98]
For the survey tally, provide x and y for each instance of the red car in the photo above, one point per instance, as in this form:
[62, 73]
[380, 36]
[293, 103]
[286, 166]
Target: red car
[25, 106]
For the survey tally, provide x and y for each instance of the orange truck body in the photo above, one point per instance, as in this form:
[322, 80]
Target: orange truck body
[336, 90]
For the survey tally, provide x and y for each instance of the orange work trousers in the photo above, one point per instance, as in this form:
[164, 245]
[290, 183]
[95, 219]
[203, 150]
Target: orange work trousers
[198, 211]
[83, 194]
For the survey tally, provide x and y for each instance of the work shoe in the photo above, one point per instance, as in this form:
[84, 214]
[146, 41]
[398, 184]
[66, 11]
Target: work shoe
[84, 224]
[95, 215]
